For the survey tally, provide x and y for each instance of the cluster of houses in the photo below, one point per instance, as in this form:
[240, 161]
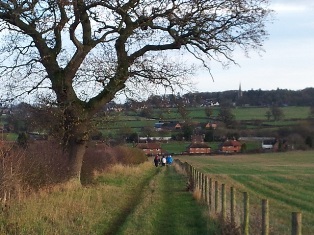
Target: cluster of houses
[152, 146]
[175, 125]
[197, 146]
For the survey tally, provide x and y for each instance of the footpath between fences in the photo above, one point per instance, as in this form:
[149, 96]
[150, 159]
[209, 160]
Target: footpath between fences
[237, 219]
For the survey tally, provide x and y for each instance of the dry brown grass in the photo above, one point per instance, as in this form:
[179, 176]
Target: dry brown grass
[197, 194]
[62, 209]
[43, 166]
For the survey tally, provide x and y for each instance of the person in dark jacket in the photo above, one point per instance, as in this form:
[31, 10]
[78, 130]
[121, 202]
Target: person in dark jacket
[156, 160]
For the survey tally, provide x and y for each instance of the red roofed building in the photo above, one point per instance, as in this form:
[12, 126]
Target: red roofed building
[230, 146]
[150, 149]
[198, 146]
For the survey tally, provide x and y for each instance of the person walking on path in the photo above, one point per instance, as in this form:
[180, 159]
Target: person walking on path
[156, 160]
[169, 160]
[163, 161]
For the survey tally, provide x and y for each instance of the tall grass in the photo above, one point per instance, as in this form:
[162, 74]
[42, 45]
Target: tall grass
[85, 210]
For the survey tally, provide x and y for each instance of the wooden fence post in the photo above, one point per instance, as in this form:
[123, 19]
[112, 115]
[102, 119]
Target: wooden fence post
[216, 196]
[232, 205]
[194, 179]
[191, 176]
[206, 191]
[198, 180]
[187, 168]
[195, 176]
[223, 203]
[203, 187]
[265, 217]
[296, 223]
[210, 193]
[246, 213]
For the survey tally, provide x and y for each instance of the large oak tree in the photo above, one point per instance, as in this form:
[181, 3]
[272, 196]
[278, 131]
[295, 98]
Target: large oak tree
[87, 51]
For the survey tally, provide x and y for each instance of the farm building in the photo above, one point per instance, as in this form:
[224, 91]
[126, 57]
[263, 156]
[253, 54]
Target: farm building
[275, 145]
[230, 146]
[198, 146]
[150, 149]
[167, 125]
[268, 143]
[211, 125]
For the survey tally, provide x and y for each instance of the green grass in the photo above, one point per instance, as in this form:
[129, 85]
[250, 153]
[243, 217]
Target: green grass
[167, 208]
[285, 179]
[258, 113]
[10, 136]
[292, 116]
[178, 147]
[123, 200]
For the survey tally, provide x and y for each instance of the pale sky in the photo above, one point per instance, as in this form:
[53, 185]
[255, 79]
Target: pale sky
[288, 60]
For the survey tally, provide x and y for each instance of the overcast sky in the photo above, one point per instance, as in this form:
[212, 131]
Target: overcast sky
[288, 60]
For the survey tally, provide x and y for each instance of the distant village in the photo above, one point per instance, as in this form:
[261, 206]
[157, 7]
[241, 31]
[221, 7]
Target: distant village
[151, 145]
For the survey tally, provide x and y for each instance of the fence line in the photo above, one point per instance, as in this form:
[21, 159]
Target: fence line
[199, 181]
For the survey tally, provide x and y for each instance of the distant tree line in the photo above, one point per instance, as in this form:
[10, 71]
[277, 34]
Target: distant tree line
[278, 97]
[274, 99]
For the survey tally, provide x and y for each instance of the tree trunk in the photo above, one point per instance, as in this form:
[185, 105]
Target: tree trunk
[76, 151]
[75, 140]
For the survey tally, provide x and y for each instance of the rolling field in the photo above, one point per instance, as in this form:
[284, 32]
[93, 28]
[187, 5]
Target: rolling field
[292, 115]
[258, 113]
[285, 179]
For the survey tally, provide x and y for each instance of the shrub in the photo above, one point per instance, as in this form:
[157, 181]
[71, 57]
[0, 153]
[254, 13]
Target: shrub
[44, 164]
[25, 170]
[99, 157]
[130, 156]
[22, 140]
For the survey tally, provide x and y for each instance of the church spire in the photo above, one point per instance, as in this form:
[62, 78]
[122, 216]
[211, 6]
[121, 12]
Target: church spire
[240, 91]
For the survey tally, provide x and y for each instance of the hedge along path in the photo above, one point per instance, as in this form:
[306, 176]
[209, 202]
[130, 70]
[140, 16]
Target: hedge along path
[167, 208]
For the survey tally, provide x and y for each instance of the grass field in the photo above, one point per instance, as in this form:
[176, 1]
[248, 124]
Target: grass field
[285, 179]
[124, 200]
[258, 113]
[292, 116]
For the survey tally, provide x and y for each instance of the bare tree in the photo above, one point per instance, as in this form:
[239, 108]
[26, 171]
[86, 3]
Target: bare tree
[87, 51]
[226, 116]
[276, 112]
[208, 111]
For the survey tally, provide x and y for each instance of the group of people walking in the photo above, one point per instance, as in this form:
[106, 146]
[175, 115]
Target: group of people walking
[163, 161]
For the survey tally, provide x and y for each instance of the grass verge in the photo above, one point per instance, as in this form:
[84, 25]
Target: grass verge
[95, 209]
[124, 200]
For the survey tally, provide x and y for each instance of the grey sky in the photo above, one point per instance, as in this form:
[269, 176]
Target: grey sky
[288, 59]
